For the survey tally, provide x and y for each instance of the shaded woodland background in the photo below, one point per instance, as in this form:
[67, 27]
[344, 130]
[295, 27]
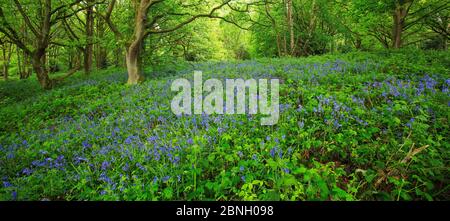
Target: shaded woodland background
[42, 37]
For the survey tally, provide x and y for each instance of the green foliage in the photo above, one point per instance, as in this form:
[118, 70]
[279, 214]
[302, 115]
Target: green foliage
[357, 126]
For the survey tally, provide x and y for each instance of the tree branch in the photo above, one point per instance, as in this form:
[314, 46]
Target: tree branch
[26, 18]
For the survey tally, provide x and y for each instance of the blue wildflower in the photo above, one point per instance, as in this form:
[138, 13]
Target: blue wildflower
[105, 165]
[141, 167]
[78, 160]
[166, 178]
[129, 140]
[273, 151]
[7, 184]
[10, 155]
[176, 160]
[411, 121]
[86, 144]
[105, 178]
[126, 167]
[27, 171]
[152, 139]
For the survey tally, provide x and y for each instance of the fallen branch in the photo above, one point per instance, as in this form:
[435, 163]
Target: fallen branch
[68, 74]
[392, 171]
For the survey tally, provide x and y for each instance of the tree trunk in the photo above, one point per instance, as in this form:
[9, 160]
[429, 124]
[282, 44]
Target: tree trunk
[133, 59]
[398, 17]
[39, 68]
[19, 63]
[27, 67]
[89, 34]
[5, 71]
[118, 57]
[134, 63]
[6, 59]
[397, 31]
[101, 52]
[275, 29]
[290, 21]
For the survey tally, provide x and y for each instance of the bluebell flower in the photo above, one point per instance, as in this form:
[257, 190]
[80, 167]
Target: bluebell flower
[78, 160]
[301, 124]
[337, 124]
[273, 151]
[7, 184]
[152, 139]
[38, 163]
[86, 144]
[126, 167]
[10, 155]
[176, 160]
[14, 195]
[27, 171]
[141, 167]
[115, 131]
[105, 165]
[190, 141]
[129, 140]
[286, 170]
[105, 178]
[243, 178]
[411, 121]
[166, 178]
[156, 156]
[242, 168]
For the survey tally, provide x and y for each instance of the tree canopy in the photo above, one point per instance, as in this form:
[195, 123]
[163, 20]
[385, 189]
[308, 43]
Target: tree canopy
[47, 36]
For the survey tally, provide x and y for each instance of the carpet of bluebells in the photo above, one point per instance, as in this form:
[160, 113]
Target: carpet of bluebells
[358, 126]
